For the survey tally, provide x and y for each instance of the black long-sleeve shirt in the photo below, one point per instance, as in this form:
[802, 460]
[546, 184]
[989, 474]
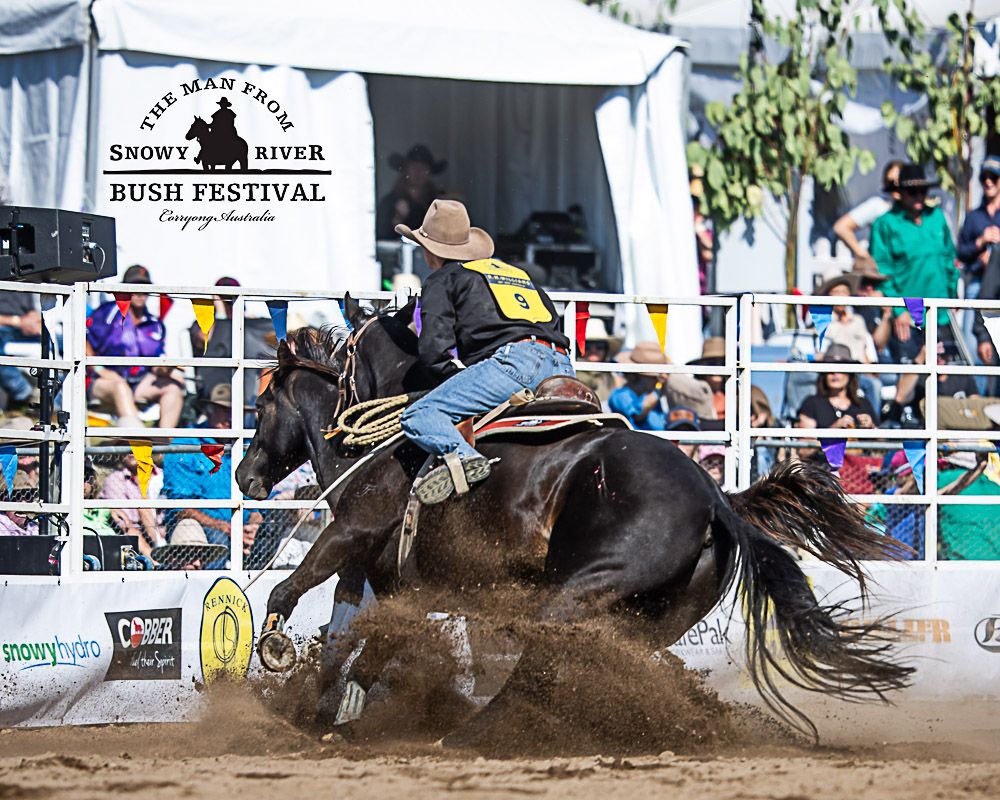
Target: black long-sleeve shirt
[458, 311]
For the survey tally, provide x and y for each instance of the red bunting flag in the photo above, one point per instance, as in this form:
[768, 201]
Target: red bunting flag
[124, 302]
[214, 454]
[166, 301]
[582, 315]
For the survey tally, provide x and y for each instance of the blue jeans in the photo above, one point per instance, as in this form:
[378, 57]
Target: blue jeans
[12, 380]
[430, 422]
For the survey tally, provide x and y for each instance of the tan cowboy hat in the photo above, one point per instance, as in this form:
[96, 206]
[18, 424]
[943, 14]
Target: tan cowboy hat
[187, 544]
[848, 279]
[221, 395]
[866, 270]
[447, 233]
[644, 353]
[597, 331]
[713, 351]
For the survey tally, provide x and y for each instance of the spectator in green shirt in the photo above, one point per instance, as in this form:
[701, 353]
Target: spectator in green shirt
[913, 245]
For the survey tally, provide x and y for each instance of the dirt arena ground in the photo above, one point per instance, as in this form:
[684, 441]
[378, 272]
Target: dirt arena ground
[620, 724]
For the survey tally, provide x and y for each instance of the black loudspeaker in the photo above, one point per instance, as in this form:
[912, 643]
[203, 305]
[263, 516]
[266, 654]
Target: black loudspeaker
[50, 245]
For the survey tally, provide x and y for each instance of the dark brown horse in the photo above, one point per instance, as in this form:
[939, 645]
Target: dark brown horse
[610, 521]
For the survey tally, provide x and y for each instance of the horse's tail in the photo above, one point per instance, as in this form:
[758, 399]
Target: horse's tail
[803, 505]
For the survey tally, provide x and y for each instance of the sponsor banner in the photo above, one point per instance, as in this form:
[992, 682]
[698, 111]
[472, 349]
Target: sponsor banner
[101, 650]
[146, 645]
[105, 658]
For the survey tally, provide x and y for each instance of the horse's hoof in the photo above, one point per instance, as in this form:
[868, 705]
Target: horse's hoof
[276, 651]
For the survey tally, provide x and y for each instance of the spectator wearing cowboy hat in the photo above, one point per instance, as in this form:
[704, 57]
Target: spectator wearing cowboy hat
[979, 236]
[413, 192]
[713, 354]
[836, 403]
[913, 246]
[865, 214]
[188, 549]
[599, 347]
[877, 319]
[487, 331]
[190, 476]
[640, 400]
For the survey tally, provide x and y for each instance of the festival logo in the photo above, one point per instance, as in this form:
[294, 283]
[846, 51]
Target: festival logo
[193, 165]
[146, 645]
[988, 634]
[55, 652]
[226, 631]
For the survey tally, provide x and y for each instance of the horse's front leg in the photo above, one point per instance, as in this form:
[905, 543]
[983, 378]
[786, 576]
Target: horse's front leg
[337, 546]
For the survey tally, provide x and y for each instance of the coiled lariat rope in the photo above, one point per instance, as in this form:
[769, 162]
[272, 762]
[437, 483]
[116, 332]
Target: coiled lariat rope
[374, 420]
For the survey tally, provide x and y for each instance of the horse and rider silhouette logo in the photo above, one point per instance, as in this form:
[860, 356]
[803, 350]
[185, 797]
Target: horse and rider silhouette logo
[220, 144]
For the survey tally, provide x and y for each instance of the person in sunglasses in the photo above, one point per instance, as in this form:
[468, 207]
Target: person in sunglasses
[912, 244]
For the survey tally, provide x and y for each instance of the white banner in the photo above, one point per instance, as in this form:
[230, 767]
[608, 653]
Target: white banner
[103, 650]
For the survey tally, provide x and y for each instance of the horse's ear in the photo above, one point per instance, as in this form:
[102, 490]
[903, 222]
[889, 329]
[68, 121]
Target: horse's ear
[353, 312]
[405, 314]
[285, 355]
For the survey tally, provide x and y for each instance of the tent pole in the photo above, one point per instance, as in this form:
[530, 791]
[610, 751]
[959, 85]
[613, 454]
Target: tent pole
[90, 147]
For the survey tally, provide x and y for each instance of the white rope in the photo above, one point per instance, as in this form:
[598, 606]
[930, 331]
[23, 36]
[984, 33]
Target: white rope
[319, 499]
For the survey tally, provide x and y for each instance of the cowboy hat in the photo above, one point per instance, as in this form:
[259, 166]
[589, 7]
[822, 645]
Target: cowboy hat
[421, 154]
[221, 395]
[838, 353]
[848, 279]
[187, 544]
[713, 352]
[225, 103]
[911, 176]
[682, 418]
[597, 331]
[866, 270]
[446, 233]
[644, 353]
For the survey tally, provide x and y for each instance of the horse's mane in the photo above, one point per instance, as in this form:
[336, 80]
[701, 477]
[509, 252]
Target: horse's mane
[318, 345]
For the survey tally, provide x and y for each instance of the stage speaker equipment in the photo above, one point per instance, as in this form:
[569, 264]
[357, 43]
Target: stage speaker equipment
[51, 245]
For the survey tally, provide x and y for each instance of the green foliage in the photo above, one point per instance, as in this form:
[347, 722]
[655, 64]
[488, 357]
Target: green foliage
[783, 123]
[957, 97]
[613, 8]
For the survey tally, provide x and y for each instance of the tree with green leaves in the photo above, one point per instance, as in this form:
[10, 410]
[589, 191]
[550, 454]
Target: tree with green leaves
[960, 101]
[782, 126]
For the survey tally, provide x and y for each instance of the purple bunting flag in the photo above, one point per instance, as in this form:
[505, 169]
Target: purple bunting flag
[834, 450]
[915, 305]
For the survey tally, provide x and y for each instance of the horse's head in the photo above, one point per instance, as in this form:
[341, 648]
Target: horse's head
[297, 403]
[379, 359]
[198, 128]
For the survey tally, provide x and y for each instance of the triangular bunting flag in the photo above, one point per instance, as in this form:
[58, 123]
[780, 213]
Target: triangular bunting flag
[916, 454]
[143, 452]
[915, 305]
[821, 317]
[204, 314]
[166, 303]
[214, 454]
[582, 315]
[278, 309]
[993, 328]
[418, 323]
[658, 314]
[124, 302]
[8, 462]
[834, 450]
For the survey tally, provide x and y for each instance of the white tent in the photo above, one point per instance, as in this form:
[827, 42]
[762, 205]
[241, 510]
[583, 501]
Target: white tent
[534, 104]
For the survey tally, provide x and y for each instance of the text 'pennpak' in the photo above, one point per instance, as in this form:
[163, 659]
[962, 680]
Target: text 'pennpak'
[213, 452]
[915, 305]
[142, 449]
[582, 317]
[821, 317]
[834, 450]
[278, 309]
[8, 461]
[916, 455]
[204, 314]
[658, 315]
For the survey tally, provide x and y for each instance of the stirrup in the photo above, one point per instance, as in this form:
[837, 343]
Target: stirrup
[454, 476]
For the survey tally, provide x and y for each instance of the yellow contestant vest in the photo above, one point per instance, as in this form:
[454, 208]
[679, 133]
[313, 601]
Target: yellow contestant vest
[515, 294]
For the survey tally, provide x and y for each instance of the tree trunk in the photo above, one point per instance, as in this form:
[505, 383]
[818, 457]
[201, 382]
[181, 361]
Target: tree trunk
[792, 248]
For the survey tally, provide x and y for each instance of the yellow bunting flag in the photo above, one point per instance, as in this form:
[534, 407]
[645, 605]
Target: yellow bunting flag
[658, 314]
[204, 313]
[143, 452]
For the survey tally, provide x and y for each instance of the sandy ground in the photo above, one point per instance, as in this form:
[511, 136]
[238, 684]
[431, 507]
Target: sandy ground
[108, 761]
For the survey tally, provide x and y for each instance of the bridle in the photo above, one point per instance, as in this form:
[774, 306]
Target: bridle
[347, 389]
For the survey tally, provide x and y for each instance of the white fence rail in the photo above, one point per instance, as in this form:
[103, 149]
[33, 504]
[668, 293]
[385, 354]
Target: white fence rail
[66, 311]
